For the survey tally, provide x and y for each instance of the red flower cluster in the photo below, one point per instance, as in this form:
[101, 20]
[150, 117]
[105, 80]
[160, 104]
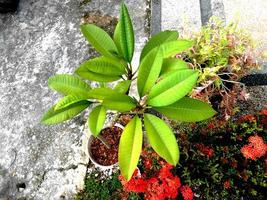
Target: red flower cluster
[205, 150]
[247, 118]
[227, 184]
[187, 192]
[163, 185]
[264, 112]
[255, 149]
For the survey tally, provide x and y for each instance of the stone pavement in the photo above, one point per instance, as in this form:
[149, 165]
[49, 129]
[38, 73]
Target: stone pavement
[40, 40]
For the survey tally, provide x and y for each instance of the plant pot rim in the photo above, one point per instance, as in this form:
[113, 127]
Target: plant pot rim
[102, 167]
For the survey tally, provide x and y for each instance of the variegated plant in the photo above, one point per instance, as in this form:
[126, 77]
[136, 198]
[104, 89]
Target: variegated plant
[163, 83]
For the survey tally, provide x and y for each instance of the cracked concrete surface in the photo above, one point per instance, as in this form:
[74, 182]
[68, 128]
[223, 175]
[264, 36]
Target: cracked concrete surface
[38, 41]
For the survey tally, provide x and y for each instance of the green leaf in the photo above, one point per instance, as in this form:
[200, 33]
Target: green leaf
[123, 86]
[149, 71]
[101, 69]
[67, 101]
[172, 64]
[102, 93]
[119, 102]
[99, 39]
[116, 38]
[97, 119]
[126, 36]
[187, 110]
[53, 116]
[174, 47]
[172, 88]
[157, 40]
[130, 147]
[69, 85]
[161, 138]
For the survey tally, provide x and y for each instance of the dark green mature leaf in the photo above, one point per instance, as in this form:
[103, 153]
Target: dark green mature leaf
[69, 85]
[126, 36]
[119, 102]
[100, 40]
[101, 69]
[172, 88]
[172, 64]
[130, 147]
[157, 40]
[187, 110]
[97, 119]
[53, 116]
[174, 47]
[67, 101]
[123, 86]
[149, 71]
[161, 138]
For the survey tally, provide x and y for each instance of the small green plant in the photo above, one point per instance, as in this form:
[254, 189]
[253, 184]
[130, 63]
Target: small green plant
[162, 82]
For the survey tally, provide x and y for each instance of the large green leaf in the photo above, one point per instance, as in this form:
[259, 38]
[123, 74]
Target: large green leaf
[119, 102]
[53, 116]
[161, 138]
[187, 110]
[102, 93]
[172, 64]
[174, 47]
[126, 35]
[97, 119]
[172, 88]
[117, 37]
[130, 147]
[99, 39]
[69, 85]
[149, 71]
[101, 69]
[67, 101]
[157, 40]
[123, 86]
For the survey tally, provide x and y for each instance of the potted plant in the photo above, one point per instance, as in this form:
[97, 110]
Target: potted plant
[163, 84]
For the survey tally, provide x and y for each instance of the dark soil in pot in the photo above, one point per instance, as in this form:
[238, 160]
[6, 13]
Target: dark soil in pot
[101, 153]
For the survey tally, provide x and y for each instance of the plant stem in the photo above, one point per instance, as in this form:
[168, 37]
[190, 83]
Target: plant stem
[104, 141]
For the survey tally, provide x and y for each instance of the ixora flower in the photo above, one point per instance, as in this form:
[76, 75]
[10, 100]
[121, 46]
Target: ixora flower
[187, 192]
[255, 149]
[208, 151]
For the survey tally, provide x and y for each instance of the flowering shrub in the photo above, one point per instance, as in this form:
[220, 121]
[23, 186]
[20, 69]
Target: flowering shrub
[225, 159]
[156, 181]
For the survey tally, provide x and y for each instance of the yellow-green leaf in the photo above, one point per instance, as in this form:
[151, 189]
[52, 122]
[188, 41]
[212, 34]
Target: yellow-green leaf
[123, 86]
[172, 88]
[149, 71]
[172, 64]
[174, 47]
[161, 138]
[126, 36]
[97, 119]
[53, 116]
[69, 85]
[100, 40]
[157, 40]
[67, 101]
[119, 102]
[130, 147]
[187, 110]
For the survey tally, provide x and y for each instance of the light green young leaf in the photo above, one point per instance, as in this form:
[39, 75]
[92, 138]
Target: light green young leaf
[123, 86]
[174, 47]
[116, 38]
[161, 138]
[119, 102]
[187, 110]
[172, 64]
[97, 119]
[172, 88]
[149, 71]
[89, 75]
[102, 93]
[157, 40]
[67, 101]
[130, 147]
[126, 36]
[53, 116]
[69, 85]
[100, 40]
